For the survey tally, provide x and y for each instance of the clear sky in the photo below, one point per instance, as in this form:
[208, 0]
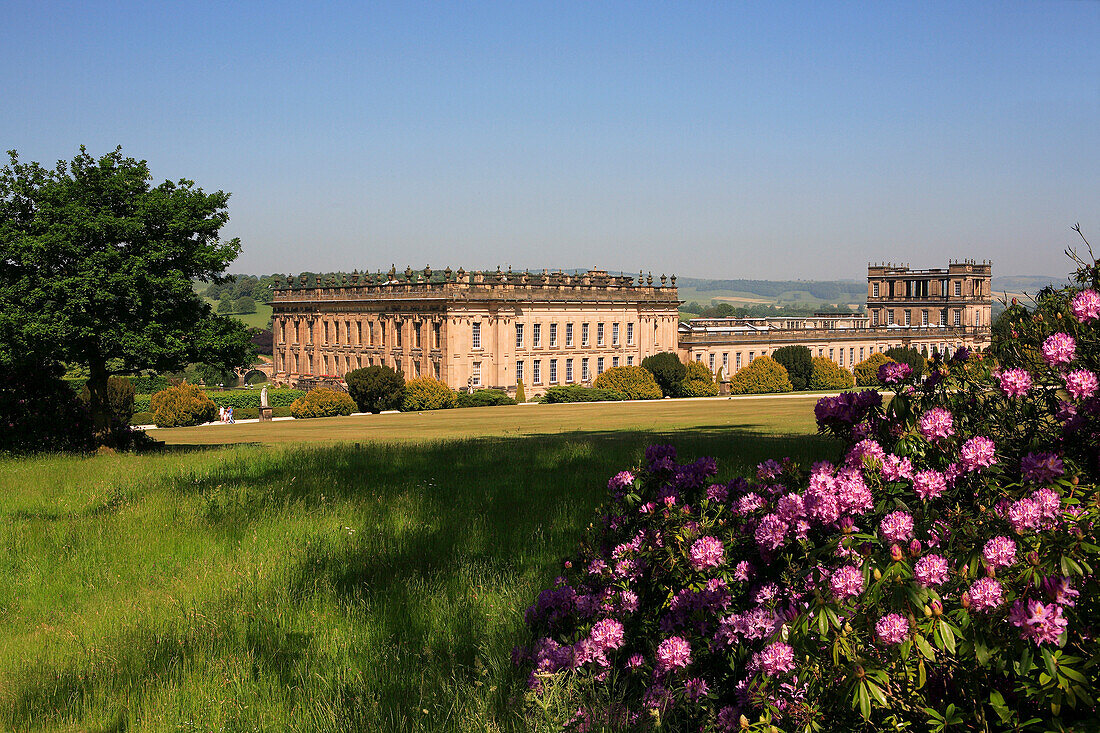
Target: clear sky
[709, 139]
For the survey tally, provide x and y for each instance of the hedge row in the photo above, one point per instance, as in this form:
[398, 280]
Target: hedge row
[577, 393]
[251, 398]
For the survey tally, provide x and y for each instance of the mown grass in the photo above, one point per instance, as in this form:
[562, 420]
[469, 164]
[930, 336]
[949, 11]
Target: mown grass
[300, 588]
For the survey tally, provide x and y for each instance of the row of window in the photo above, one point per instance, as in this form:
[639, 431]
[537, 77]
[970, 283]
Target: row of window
[341, 364]
[850, 362]
[331, 332]
[907, 317]
[536, 335]
[536, 369]
[919, 288]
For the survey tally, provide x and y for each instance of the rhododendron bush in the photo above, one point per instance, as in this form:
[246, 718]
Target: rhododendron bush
[938, 575]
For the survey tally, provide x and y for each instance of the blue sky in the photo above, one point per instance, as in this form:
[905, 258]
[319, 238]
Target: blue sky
[708, 139]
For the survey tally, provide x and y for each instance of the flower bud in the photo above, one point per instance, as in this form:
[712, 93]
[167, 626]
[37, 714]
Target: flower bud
[937, 608]
[744, 723]
[847, 525]
[964, 569]
[927, 611]
[965, 599]
[847, 628]
[865, 549]
[877, 575]
[914, 548]
[990, 571]
[860, 671]
[1014, 301]
[895, 553]
[1033, 558]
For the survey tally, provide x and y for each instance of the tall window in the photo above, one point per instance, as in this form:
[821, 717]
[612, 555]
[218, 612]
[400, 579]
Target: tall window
[599, 334]
[861, 353]
[874, 318]
[726, 361]
[738, 360]
[943, 317]
[416, 368]
[476, 373]
[476, 337]
[958, 288]
[519, 335]
[519, 372]
[831, 355]
[553, 335]
[569, 371]
[890, 316]
[630, 334]
[436, 329]
[584, 335]
[553, 371]
[977, 318]
[908, 317]
[536, 335]
[712, 363]
[568, 335]
[416, 334]
[630, 361]
[536, 371]
[599, 366]
[958, 318]
[874, 290]
[614, 334]
[614, 361]
[584, 370]
[397, 328]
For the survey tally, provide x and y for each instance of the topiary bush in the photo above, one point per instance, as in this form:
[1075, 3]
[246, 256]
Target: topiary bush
[520, 396]
[577, 393]
[376, 388]
[426, 393]
[866, 372]
[632, 382]
[483, 398]
[668, 370]
[182, 406]
[940, 575]
[827, 374]
[322, 402]
[763, 376]
[798, 361]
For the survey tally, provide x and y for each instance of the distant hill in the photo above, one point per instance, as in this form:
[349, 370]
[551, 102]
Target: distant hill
[1025, 283]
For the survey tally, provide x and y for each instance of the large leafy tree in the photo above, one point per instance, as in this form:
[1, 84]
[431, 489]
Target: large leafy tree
[97, 265]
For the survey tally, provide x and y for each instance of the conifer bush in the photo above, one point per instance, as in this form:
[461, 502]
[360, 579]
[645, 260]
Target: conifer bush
[376, 388]
[827, 374]
[182, 406]
[763, 376]
[798, 361]
[668, 370]
[632, 382]
[426, 393]
[939, 575]
[322, 402]
[520, 396]
[866, 371]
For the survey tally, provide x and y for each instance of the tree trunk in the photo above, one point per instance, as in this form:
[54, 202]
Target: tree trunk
[98, 404]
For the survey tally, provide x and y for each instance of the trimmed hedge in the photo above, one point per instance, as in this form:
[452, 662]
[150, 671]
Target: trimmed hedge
[867, 370]
[426, 393]
[827, 374]
[182, 406]
[483, 398]
[577, 393]
[798, 361]
[698, 371]
[322, 402]
[763, 376]
[142, 418]
[251, 397]
[632, 382]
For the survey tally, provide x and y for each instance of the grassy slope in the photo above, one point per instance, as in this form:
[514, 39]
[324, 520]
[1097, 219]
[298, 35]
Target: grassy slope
[297, 588]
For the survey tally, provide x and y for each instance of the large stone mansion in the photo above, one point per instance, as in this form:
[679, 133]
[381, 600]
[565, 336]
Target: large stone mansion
[495, 329]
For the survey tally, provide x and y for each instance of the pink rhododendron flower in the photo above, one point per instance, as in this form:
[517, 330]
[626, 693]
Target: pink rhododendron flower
[1048, 501]
[771, 532]
[1015, 382]
[895, 468]
[931, 571]
[707, 552]
[977, 453]
[696, 688]
[1086, 306]
[1043, 623]
[862, 450]
[846, 582]
[1024, 515]
[635, 661]
[999, 552]
[673, 653]
[790, 507]
[749, 503]
[776, 658]
[607, 634]
[1059, 348]
[896, 527]
[769, 469]
[929, 484]
[936, 423]
[743, 571]
[985, 594]
[892, 628]
[1081, 383]
[620, 480]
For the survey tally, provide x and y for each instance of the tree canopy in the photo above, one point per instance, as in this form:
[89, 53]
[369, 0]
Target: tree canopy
[97, 268]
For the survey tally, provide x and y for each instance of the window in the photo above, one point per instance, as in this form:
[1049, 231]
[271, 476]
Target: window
[435, 368]
[370, 334]
[553, 371]
[842, 357]
[476, 338]
[324, 364]
[943, 317]
[569, 371]
[752, 355]
[738, 362]
[821, 353]
[712, 363]
[599, 366]
[476, 375]
[536, 335]
[584, 370]
[890, 316]
[630, 361]
[569, 335]
[861, 353]
[958, 288]
[519, 372]
[359, 333]
[519, 335]
[399, 370]
[599, 334]
[874, 290]
[436, 330]
[614, 334]
[553, 335]
[852, 355]
[874, 318]
[416, 368]
[397, 330]
[977, 318]
[536, 371]
[584, 335]
[726, 361]
[699, 356]
[614, 361]
[908, 317]
[630, 334]
[831, 355]
[924, 317]
[958, 318]
[416, 334]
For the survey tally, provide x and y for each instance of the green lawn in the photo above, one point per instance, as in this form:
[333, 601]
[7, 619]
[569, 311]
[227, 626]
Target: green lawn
[258, 319]
[316, 587]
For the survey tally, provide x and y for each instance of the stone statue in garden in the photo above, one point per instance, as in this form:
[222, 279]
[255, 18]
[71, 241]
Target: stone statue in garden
[263, 397]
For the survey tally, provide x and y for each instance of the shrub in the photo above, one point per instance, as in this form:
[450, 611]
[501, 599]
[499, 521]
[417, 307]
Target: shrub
[376, 388]
[577, 393]
[120, 396]
[483, 398]
[910, 356]
[763, 376]
[827, 374]
[142, 418]
[251, 397]
[942, 572]
[698, 388]
[632, 382]
[798, 361]
[40, 412]
[426, 393]
[866, 371]
[520, 396]
[181, 406]
[283, 411]
[246, 413]
[141, 402]
[668, 370]
[151, 384]
[322, 402]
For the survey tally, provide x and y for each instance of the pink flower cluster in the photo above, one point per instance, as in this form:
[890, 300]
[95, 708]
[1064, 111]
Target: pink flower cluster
[1081, 383]
[1042, 623]
[775, 659]
[1086, 306]
[673, 653]
[999, 552]
[929, 484]
[896, 527]
[895, 468]
[985, 594]
[607, 634]
[846, 582]
[892, 628]
[977, 453]
[936, 423]
[1034, 512]
[1015, 382]
[931, 571]
[707, 552]
[1059, 348]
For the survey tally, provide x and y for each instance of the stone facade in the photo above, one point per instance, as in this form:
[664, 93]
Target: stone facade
[473, 330]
